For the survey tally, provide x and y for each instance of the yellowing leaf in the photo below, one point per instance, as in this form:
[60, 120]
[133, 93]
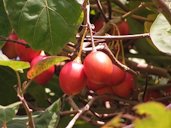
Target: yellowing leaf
[15, 65]
[44, 64]
[156, 116]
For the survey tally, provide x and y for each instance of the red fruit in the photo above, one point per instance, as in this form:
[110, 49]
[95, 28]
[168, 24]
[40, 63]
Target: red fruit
[98, 24]
[94, 86]
[125, 88]
[105, 90]
[9, 47]
[167, 91]
[123, 27]
[98, 67]
[72, 78]
[151, 95]
[45, 76]
[26, 53]
[117, 76]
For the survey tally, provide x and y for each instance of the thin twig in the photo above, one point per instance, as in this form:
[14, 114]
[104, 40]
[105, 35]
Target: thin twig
[28, 111]
[137, 17]
[146, 68]
[80, 112]
[122, 6]
[89, 25]
[13, 41]
[163, 8]
[20, 95]
[118, 63]
[142, 5]
[101, 10]
[109, 6]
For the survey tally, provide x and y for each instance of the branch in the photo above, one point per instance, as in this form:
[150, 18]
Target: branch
[142, 5]
[20, 95]
[137, 17]
[122, 6]
[80, 112]
[118, 63]
[101, 10]
[13, 41]
[146, 68]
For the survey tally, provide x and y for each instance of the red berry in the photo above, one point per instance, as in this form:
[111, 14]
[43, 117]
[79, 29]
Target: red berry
[98, 24]
[72, 78]
[105, 90]
[117, 76]
[26, 53]
[123, 27]
[45, 76]
[125, 88]
[151, 95]
[9, 47]
[98, 67]
[94, 86]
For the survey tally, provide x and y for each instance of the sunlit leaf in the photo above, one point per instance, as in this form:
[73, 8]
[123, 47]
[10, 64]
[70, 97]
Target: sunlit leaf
[45, 24]
[156, 116]
[160, 34]
[147, 26]
[44, 64]
[115, 122]
[15, 65]
[8, 112]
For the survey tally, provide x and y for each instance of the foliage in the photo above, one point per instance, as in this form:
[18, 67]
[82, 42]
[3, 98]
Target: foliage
[66, 30]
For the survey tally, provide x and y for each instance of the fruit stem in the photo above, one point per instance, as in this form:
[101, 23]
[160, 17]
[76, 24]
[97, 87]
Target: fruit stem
[78, 58]
[89, 25]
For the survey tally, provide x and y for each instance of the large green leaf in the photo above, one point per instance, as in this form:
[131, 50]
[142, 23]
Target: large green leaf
[45, 24]
[160, 33]
[46, 119]
[8, 79]
[5, 27]
[8, 112]
[50, 117]
[157, 116]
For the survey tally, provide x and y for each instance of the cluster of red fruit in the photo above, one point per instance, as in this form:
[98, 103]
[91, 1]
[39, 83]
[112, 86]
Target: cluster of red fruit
[13, 50]
[97, 73]
[123, 26]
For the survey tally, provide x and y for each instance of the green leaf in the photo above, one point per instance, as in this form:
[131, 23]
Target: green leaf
[7, 91]
[160, 34]
[8, 112]
[45, 24]
[15, 65]
[44, 64]
[49, 118]
[5, 27]
[156, 116]
[46, 119]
